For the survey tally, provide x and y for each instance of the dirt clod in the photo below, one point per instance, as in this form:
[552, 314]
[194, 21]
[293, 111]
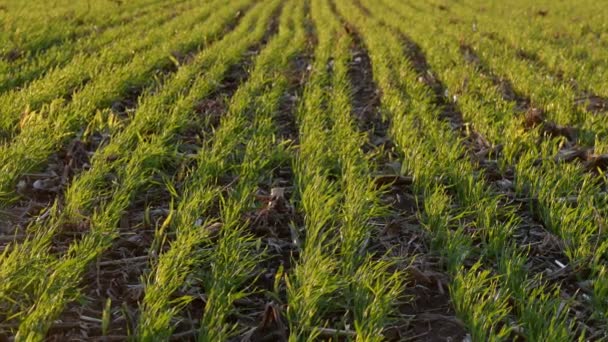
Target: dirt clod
[534, 117]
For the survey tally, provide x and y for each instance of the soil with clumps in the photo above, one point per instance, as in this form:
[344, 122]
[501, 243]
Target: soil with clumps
[593, 103]
[12, 55]
[534, 118]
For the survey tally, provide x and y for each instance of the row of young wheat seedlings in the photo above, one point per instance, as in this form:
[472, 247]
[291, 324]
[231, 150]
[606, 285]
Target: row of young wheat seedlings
[373, 290]
[97, 69]
[32, 156]
[567, 47]
[539, 313]
[547, 88]
[578, 183]
[62, 282]
[552, 183]
[19, 55]
[571, 202]
[424, 140]
[482, 103]
[32, 27]
[13, 60]
[334, 272]
[60, 82]
[516, 142]
[42, 136]
[575, 49]
[80, 196]
[545, 91]
[587, 82]
[432, 154]
[556, 96]
[20, 73]
[92, 186]
[231, 258]
[312, 280]
[491, 118]
[36, 27]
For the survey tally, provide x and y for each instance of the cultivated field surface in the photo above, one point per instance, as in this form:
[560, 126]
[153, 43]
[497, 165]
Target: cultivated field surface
[303, 170]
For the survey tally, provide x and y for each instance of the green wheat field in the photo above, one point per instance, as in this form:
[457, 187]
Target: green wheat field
[303, 170]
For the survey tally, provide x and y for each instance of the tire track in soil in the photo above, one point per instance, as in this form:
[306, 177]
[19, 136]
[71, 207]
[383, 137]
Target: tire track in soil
[429, 315]
[118, 272]
[545, 248]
